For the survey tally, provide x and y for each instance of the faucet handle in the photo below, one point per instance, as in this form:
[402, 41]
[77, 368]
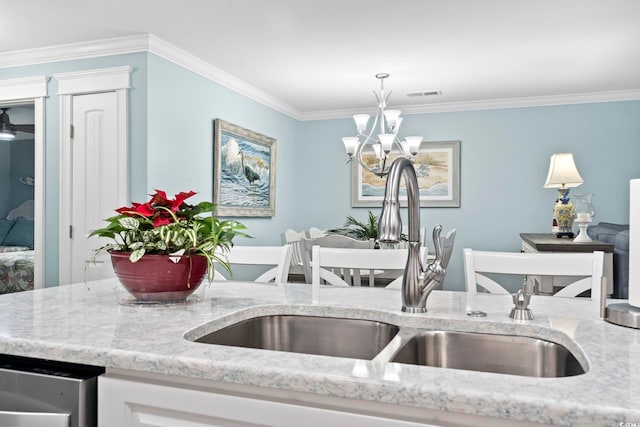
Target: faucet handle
[443, 245]
[521, 301]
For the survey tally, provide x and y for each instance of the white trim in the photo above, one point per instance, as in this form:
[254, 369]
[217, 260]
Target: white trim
[24, 88]
[74, 51]
[490, 104]
[39, 192]
[93, 81]
[33, 90]
[70, 84]
[65, 201]
[157, 46]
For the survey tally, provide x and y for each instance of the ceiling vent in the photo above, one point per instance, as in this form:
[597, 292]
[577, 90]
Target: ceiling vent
[423, 93]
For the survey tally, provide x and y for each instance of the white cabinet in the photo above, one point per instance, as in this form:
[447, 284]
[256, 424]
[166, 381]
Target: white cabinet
[125, 402]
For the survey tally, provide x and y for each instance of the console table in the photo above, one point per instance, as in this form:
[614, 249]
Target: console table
[537, 242]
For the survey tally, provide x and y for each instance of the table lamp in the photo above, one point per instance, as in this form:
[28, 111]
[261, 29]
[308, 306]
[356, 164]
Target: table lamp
[563, 175]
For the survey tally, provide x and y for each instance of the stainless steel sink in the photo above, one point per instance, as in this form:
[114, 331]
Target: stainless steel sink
[340, 337]
[385, 342]
[504, 354]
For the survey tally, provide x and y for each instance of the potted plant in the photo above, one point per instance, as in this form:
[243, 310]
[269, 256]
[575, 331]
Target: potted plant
[358, 229]
[361, 230]
[161, 250]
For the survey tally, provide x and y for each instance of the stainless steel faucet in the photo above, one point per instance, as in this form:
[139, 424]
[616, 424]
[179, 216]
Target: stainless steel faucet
[418, 282]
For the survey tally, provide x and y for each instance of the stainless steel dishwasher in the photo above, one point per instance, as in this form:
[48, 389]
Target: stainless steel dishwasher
[44, 393]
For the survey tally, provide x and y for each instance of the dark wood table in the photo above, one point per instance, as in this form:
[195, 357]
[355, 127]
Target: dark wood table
[550, 243]
[541, 242]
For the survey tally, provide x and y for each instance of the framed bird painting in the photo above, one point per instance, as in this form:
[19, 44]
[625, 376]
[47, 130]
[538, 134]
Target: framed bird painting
[244, 168]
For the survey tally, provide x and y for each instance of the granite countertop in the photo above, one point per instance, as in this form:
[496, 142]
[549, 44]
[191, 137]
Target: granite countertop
[84, 323]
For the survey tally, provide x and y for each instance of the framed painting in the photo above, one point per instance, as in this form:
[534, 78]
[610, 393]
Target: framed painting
[437, 166]
[244, 169]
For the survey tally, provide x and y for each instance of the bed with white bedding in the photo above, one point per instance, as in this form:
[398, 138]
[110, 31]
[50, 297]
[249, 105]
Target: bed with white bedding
[16, 251]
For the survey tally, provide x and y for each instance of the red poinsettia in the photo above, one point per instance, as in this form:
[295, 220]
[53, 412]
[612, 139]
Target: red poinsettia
[159, 208]
[169, 226]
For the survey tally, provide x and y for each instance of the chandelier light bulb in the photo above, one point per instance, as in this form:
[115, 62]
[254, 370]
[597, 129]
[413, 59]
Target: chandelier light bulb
[378, 150]
[386, 139]
[350, 144]
[361, 122]
[392, 117]
[414, 144]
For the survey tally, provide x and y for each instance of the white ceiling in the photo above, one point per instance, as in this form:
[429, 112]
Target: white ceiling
[319, 56]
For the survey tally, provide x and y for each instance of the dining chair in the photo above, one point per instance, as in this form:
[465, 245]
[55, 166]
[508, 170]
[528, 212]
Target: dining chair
[315, 232]
[327, 260]
[277, 256]
[293, 237]
[589, 266]
[333, 241]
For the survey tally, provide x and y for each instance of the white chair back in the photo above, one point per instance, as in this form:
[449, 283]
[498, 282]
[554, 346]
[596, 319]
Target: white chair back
[324, 259]
[293, 238]
[315, 232]
[332, 241]
[277, 256]
[587, 265]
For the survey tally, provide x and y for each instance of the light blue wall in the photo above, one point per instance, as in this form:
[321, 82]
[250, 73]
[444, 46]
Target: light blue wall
[22, 155]
[504, 161]
[5, 174]
[182, 108]
[504, 157]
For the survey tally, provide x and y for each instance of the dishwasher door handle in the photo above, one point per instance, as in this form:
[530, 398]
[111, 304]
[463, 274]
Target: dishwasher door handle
[34, 419]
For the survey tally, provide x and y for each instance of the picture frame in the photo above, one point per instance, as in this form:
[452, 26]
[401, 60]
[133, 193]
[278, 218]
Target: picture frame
[244, 171]
[437, 166]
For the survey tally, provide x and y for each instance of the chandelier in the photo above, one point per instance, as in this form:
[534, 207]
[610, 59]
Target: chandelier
[372, 149]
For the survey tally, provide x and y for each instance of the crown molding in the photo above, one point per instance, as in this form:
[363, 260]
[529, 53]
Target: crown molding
[144, 43]
[490, 104]
[191, 62]
[157, 46]
[73, 51]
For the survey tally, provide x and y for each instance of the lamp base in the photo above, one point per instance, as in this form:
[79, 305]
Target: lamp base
[563, 214]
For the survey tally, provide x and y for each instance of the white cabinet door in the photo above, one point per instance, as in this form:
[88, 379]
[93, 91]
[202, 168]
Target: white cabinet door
[127, 403]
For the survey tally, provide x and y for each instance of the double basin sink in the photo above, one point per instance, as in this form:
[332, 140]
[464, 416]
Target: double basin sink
[381, 341]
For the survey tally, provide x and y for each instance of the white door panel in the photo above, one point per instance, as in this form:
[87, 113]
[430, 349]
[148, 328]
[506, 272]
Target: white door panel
[94, 192]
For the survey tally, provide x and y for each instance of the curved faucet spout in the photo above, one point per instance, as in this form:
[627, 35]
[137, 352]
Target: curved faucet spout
[417, 282]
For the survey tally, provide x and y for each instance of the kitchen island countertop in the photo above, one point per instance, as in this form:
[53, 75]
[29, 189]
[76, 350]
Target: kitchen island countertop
[85, 323]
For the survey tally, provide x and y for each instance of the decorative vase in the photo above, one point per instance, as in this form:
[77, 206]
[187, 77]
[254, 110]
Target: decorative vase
[159, 278]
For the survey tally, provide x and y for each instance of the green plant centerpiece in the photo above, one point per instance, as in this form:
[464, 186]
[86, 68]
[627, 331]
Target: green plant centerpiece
[361, 230]
[152, 242]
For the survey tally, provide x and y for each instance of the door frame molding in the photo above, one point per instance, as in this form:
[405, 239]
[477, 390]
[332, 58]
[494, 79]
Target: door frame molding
[33, 90]
[115, 79]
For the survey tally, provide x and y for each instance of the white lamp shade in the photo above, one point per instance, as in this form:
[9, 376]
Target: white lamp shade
[350, 144]
[562, 172]
[392, 116]
[386, 139]
[378, 150]
[361, 122]
[414, 144]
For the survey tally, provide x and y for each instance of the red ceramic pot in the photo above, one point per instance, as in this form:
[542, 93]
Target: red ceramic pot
[160, 277]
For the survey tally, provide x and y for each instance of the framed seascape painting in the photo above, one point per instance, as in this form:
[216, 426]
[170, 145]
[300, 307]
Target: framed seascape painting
[437, 166]
[244, 168]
